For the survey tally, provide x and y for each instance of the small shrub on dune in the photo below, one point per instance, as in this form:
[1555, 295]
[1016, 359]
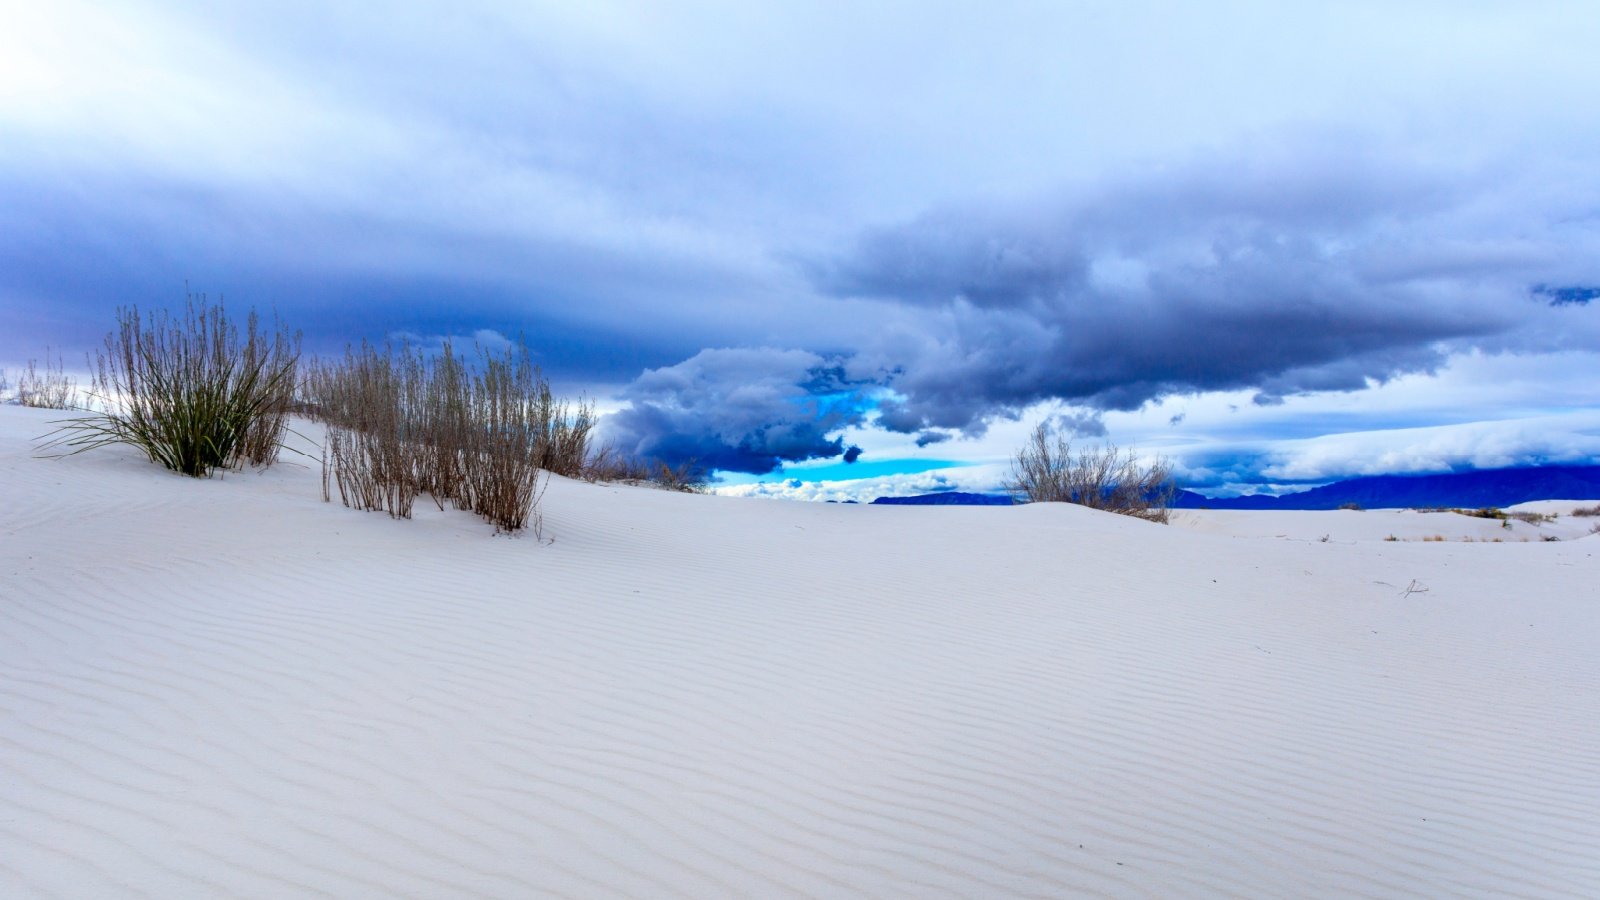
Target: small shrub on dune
[567, 428]
[506, 446]
[188, 391]
[477, 436]
[47, 388]
[1106, 478]
[1587, 511]
[609, 465]
[368, 453]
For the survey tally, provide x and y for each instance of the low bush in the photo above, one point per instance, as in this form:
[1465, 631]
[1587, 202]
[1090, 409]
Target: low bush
[1106, 478]
[47, 388]
[1494, 512]
[1587, 511]
[188, 392]
[477, 435]
[608, 465]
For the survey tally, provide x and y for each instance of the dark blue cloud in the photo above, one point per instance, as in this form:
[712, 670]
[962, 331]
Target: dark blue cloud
[1570, 295]
[1274, 274]
[738, 411]
[75, 255]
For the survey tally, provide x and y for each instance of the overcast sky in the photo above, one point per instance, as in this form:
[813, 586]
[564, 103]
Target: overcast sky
[1280, 242]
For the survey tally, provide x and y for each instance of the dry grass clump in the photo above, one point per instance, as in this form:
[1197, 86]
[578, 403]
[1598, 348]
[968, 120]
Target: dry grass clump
[608, 465]
[1493, 512]
[1504, 517]
[1587, 510]
[188, 392]
[475, 436]
[47, 388]
[1107, 478]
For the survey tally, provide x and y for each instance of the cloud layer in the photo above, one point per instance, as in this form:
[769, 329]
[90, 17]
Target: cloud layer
[1282, 273]
[921, 220]
[745, 410]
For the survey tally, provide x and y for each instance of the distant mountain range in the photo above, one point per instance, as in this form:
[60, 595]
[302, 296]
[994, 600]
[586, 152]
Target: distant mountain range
[1488, 487]
[948, 498]
[1491, 487]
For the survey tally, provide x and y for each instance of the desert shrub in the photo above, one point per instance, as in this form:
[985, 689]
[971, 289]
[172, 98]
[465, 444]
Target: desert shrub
[508, 439]
[1493, 512]
[47, 388]
[567, 429]
[1107, 478]
[365, 404]
[1356, 507]
[188, 392]
[609, 465]
[1587, 511]
[401, 423]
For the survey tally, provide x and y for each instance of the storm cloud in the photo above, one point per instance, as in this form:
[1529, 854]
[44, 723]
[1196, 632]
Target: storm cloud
[902, 224]
[737, 410]
[1278, 274]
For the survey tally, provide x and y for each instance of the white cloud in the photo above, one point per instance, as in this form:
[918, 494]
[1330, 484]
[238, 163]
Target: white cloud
[974, 479]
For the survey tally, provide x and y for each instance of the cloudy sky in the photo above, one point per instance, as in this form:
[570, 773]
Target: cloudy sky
[1281, 243]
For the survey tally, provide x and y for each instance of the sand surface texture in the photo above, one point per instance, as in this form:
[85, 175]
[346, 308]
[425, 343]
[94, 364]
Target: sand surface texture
[228, 688]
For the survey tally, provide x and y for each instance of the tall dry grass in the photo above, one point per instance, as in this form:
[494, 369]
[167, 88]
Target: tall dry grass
[607, 464]
[1047, 469]
[49, 387]
[476, 434]
[188, 391]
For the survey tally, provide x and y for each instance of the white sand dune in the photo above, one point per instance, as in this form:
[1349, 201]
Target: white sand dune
[227, 688]
[1396, 524]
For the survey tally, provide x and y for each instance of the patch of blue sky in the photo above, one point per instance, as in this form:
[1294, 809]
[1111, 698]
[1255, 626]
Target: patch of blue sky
[834, 470]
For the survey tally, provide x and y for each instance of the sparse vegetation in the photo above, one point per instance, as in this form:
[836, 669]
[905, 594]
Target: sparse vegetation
[1356, 507]
[1108, 478]
[47, 388]
[1587, 511]
[476, 436]
[1494, 512]
[608, 465]
[188, 392]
